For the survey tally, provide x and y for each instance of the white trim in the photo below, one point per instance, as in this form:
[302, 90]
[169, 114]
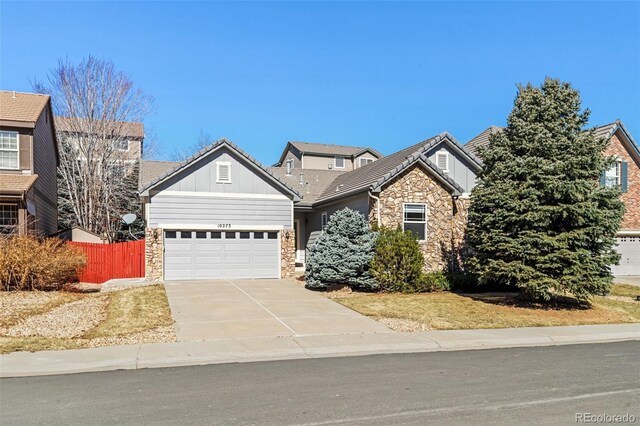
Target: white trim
[364, 158]
[302, 161]
[17, 151]
[335, 162]
[222, 163]
[213, 227]
[446, 156]
[628, 233]
[289, 169]
[223, 195]
[296, 224]
[426, 218]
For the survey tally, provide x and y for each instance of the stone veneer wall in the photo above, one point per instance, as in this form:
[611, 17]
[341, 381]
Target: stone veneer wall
[287, 253]
[631, 198]
[446, 225]
[154, 243]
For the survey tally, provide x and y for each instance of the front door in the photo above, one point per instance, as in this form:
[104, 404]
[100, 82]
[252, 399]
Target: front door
[299, 248]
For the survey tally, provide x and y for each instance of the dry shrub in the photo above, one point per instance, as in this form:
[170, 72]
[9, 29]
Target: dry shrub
[28, 263]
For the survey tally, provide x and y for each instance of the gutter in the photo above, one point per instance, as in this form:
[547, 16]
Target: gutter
[377, 207]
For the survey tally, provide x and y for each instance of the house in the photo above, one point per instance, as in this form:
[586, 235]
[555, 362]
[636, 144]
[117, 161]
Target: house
[221, 214]
[28, 163]
[625, 173]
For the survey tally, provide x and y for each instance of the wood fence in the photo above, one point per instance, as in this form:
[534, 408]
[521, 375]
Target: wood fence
[107, 261]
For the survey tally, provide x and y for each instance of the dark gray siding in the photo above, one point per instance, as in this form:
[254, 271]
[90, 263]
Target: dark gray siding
[359, 202]
[45, 190]
[460, 170]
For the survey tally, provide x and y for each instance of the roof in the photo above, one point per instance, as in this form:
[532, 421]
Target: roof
[315, 181]
[373, 175]
[22, 107]
[608, 130]
[151, 170]
[16, 184]
[212, 148]
[481, 140]
[76, 125]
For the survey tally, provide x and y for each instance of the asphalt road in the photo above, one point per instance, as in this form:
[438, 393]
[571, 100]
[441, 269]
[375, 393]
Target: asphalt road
[507, 386]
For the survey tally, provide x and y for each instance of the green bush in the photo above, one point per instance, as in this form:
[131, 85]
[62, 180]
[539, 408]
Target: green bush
[342, 254]
[433, 281]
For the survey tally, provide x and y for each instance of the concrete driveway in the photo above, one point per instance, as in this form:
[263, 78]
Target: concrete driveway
[225, 309]
[628, 279]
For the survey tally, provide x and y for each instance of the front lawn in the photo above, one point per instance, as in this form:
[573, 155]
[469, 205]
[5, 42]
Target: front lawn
[451, 311]
[37, 320]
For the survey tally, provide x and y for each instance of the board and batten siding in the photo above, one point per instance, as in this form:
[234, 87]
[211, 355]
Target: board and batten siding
[459, 168]
[194, 197]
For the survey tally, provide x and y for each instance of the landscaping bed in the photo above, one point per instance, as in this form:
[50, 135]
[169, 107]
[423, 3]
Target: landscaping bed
[452, 311]
[50, 320]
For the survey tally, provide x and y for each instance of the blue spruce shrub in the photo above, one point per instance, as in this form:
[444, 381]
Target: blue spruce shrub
[342, 254]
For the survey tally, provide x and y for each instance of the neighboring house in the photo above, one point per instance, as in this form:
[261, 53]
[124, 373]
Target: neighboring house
[625, 173]
[81, 235]
[219, 214]
[317, 156]
[28, 163]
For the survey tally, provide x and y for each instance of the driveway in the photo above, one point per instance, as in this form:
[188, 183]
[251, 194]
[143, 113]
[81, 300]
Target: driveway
[627, 279]
[225, 309]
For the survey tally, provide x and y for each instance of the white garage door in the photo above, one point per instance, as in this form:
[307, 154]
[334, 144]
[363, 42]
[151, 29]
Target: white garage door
[629, 249]
[199, 255]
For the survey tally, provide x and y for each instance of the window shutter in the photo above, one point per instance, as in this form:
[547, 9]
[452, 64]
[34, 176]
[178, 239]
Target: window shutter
[623, 176]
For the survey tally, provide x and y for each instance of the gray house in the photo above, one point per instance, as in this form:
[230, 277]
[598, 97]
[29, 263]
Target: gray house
[222, 214]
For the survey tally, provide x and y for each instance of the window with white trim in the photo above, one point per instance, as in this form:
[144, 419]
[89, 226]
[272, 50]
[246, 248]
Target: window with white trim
[289, 166]
[364, 161]
[339, 162]
[9, 150]
[612, 177]
[415, 220]
[324, 219]
[122, 144]
[442, 161]
[8, 218]
[223, 172]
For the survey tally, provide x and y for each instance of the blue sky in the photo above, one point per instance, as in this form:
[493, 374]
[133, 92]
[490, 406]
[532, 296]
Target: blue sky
[385, 75]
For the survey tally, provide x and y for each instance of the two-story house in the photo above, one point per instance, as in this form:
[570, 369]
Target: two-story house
[624, 173]
[28, 162]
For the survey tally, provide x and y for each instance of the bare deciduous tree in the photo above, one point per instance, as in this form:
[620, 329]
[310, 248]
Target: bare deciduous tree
[97, 105]
[204, 140]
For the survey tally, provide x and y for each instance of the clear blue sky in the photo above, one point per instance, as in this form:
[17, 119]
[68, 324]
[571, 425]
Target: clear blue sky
[385, 75]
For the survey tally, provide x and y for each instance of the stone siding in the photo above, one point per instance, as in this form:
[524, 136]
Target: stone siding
[631, 198]
[446, 224]
[154, 244]
[287, 253]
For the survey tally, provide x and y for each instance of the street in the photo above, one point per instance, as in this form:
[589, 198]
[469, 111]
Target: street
[544, 385]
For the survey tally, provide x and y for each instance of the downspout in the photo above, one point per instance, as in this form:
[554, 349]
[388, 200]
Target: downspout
[377, 207]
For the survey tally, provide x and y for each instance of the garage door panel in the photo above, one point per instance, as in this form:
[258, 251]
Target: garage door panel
[209, 258]
[629, 250]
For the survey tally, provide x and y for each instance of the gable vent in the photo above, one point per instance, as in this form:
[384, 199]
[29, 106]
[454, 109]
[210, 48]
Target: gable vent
[224, 172]
[442, 161]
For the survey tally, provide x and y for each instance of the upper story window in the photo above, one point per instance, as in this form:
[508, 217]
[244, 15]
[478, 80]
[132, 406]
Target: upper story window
[289, 166]
[442, 161]
[415, 220]
[9, 150]
[339, 162]
[616, 176]
[364, 161]
[122, 144]
[223, 172]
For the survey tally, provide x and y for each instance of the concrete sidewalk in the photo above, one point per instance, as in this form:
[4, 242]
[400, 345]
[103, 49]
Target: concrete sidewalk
[130, 357]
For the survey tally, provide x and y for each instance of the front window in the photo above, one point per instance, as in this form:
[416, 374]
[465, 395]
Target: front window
[9, 150]
[339, 162]
[612, 176]
[8, 218]
[415, 220]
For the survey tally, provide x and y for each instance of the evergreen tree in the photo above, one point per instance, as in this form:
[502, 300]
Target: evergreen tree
[342, 253]
[539, 220]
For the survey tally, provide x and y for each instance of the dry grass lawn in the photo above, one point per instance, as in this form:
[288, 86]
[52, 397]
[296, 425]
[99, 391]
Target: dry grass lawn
[450, 311]
[34, 321]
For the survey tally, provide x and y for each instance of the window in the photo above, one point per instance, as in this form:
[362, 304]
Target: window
[185, 234]
[170, 234]
[289, 166]
[230, 235]
[323, 219]
[244, 235]
[122, 144]
[364, 161]
[223, 169]
[613, 176]
[258, 235]
[216, 235]
[9, 150]
[8, 218]
[201, 234]
[272, 235]
[339, 162]
[442, 161]
[415, 220]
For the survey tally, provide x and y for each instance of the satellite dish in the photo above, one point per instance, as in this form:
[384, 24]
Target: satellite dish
[129, 218]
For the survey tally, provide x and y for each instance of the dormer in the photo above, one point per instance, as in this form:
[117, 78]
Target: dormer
[317, 156]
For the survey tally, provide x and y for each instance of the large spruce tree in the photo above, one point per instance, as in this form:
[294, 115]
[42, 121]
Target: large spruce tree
[539, 220]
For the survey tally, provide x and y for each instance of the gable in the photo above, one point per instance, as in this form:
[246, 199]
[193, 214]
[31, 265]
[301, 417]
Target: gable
[459, 167]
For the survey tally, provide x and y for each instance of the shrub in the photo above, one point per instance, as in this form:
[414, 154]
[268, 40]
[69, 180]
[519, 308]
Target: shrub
[27, 263]
[433, 281]
[398, 262]
[342, 254]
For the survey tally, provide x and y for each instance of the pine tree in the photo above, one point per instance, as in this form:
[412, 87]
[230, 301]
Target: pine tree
[539, 220]
[342, 253]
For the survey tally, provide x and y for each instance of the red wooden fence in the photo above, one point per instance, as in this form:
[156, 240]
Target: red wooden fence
[107, 261]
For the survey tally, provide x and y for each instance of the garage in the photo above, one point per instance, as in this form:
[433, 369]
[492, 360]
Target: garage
[199, 254]
[629, 249]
